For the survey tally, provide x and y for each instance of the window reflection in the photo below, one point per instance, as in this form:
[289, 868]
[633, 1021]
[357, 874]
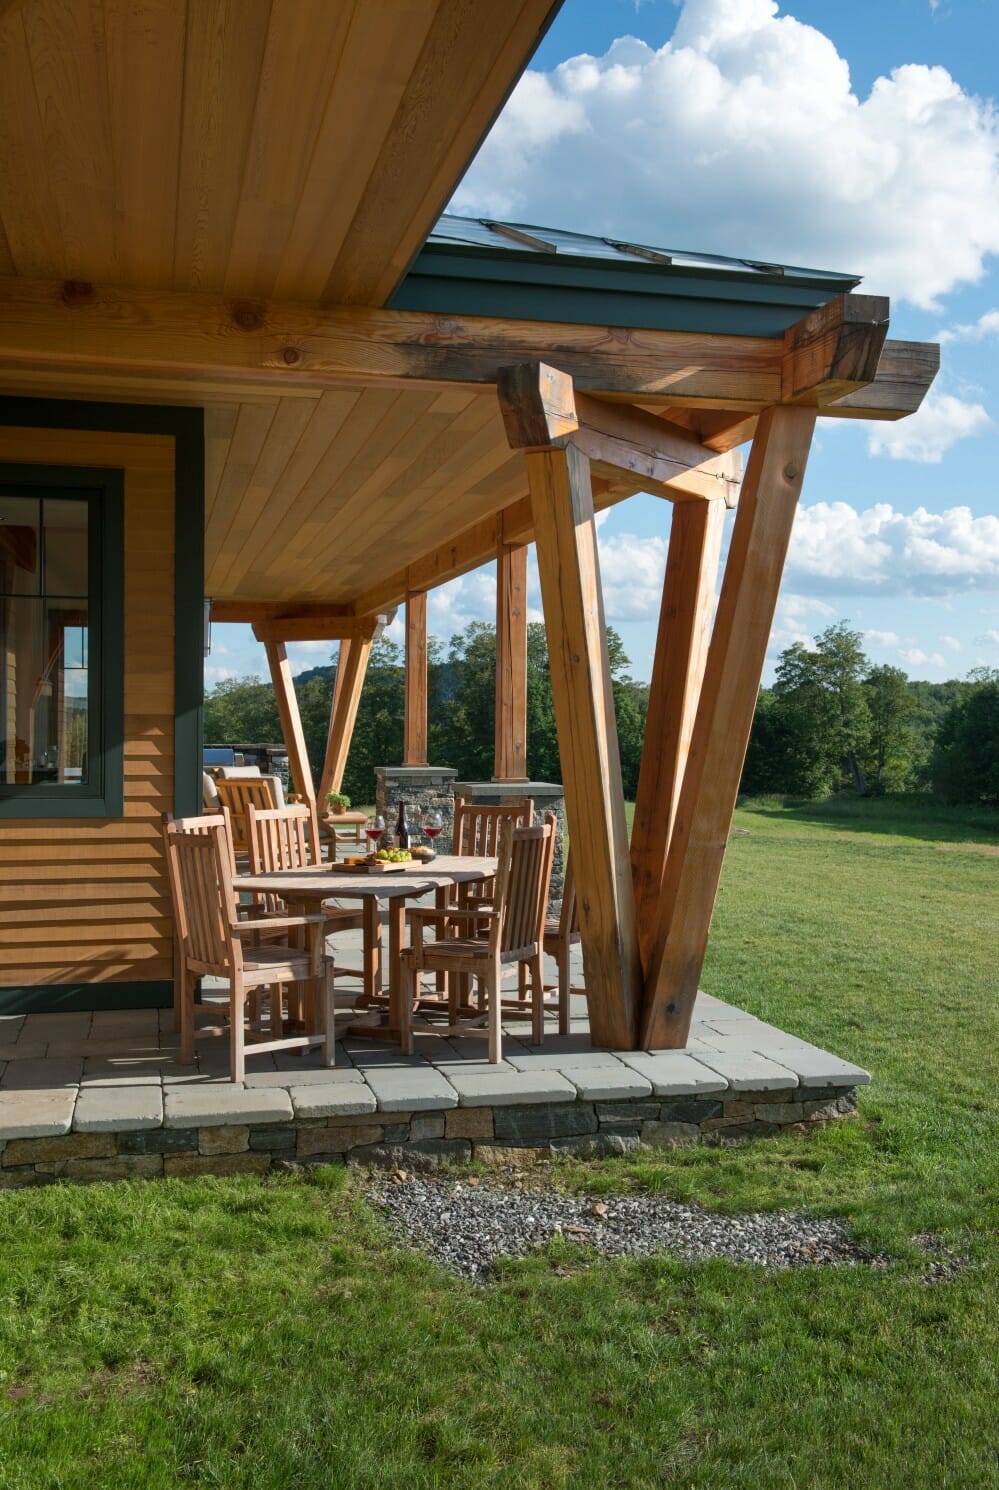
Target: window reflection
[44, 635]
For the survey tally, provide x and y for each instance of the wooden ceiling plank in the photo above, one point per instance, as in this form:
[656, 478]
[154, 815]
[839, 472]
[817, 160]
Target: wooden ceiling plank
[31, 225]
[252, 425]
[224, 55]
[256, 506]
[375, 67]
[145, 62]
[472, 58]
[332, 410]
[66, 44]
[220, 422]
[304, 45]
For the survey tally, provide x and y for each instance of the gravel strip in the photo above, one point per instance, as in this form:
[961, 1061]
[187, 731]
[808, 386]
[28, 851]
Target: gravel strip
[466, 1226]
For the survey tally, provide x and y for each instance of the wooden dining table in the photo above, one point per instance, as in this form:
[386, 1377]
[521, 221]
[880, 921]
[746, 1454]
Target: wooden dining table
[305, 890]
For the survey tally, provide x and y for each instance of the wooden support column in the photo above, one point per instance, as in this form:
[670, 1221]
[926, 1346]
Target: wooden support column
[352, 664]
[763, 523]
[677, 671]
[510, 760]
[565, 532]
[414, 747]
[291, 720]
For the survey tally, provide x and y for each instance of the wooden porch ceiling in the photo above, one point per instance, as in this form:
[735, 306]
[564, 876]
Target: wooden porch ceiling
[298, 148]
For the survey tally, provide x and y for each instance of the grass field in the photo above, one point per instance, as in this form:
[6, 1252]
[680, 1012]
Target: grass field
[265, 1334]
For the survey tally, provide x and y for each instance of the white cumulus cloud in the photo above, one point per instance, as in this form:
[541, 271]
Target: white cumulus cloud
[940, 421]
[836, 549]
[986, 325]
[742, 135]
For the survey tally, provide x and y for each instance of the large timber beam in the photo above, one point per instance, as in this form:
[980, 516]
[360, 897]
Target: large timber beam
[79, 329]
[414, 726]
[291, 720]
[677, 671]
[319, 628]
[352, 664]
[834, 350]
[753, 570]
[566, 538]
[510, 755]
[541, 409]
[251, 611]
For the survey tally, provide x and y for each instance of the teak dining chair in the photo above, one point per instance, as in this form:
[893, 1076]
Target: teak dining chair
[211, 938]
[559, 939]
[280, 838]
[505, 934]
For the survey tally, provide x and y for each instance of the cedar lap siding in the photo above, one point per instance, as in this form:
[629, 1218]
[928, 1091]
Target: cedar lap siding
[84, 906]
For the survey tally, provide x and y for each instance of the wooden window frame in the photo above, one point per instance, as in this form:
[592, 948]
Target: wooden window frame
[103, 795]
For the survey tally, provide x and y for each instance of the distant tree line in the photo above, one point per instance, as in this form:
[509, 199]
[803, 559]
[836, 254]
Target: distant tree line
[832, 721]
[461, 703]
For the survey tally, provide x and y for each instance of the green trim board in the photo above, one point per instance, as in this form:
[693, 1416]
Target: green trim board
[472, 267]
[187, 426]
[103, 489]
[61, 998]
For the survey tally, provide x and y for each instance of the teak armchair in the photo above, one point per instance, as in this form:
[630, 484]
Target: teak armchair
[507, 933]
[240, 794]
[211, 939]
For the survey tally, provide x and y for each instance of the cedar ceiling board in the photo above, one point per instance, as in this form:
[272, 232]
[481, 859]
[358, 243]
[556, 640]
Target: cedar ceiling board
[473, 57]
[252, 425]
[240, 145]
[329, 415]
[286, 429]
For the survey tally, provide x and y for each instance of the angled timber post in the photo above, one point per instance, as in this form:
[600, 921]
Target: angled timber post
[291, 720]
[734, 668]
[510, 759]
[565, 534]
[414, 747]
[352, 664]
[677, 671]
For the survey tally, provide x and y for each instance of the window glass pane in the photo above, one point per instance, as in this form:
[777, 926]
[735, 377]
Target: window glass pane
[20, 550]
[44, 692]
[65, 528]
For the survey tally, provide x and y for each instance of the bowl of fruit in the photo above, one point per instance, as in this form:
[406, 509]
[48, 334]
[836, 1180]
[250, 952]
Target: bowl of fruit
[393, 856]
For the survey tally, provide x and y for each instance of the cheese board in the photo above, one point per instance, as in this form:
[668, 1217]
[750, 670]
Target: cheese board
[368, 866]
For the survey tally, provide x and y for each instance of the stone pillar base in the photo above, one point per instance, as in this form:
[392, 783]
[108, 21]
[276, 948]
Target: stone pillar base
[423, 789]
[547, 796]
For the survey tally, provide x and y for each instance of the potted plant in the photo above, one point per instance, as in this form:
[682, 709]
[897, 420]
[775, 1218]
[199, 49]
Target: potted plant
[337, 802]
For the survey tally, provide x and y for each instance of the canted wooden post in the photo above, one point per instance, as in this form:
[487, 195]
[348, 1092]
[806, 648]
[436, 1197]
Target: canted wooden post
[510, 760]
[763, 523]
[414, 749]
[565, 533]
[352, 664]
[291, 720]
[677, 671]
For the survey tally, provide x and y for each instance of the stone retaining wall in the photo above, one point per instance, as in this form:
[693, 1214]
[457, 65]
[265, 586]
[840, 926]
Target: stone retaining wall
[493, 1135]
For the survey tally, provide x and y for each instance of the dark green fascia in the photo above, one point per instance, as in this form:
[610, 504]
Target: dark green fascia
[60, 998]
[187, 427]
[588, 292]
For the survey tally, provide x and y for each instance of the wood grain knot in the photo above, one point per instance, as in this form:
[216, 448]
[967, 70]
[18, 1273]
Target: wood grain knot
[78, 292]
[246, 316]
[290, 356]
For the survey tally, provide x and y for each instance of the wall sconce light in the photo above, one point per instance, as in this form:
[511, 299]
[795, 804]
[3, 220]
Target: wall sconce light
[208, 625]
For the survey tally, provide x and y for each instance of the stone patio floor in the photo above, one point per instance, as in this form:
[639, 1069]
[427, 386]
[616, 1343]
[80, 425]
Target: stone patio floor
[118, 1071]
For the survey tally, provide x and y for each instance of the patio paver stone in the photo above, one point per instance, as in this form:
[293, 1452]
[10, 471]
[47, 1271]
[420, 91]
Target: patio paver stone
[105, 1109]
[815, 1067]
[750, 1073]
[498, 1088]
[340, 1099]
[402, 1089]
[674, 1073]
[608, 1083]
[214, 1106]
[36, 1114]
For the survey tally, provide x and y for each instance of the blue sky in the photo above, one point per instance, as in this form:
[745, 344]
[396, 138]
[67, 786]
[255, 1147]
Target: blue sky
[848, 136]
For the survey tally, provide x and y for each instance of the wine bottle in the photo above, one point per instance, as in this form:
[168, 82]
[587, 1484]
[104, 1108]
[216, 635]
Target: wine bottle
[402, 828]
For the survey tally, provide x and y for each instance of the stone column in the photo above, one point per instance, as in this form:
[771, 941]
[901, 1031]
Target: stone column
[423, 789]
[547, 796]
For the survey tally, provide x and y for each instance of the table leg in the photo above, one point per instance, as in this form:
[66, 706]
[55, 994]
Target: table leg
[371, 962]
[397, 936]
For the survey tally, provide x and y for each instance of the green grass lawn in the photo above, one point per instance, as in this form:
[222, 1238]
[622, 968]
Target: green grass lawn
[266, 1334]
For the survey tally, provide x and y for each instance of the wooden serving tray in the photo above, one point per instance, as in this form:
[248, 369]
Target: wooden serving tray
[342, 867]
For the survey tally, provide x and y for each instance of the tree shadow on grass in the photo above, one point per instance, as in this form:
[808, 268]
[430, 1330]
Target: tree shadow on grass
[895, 817]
